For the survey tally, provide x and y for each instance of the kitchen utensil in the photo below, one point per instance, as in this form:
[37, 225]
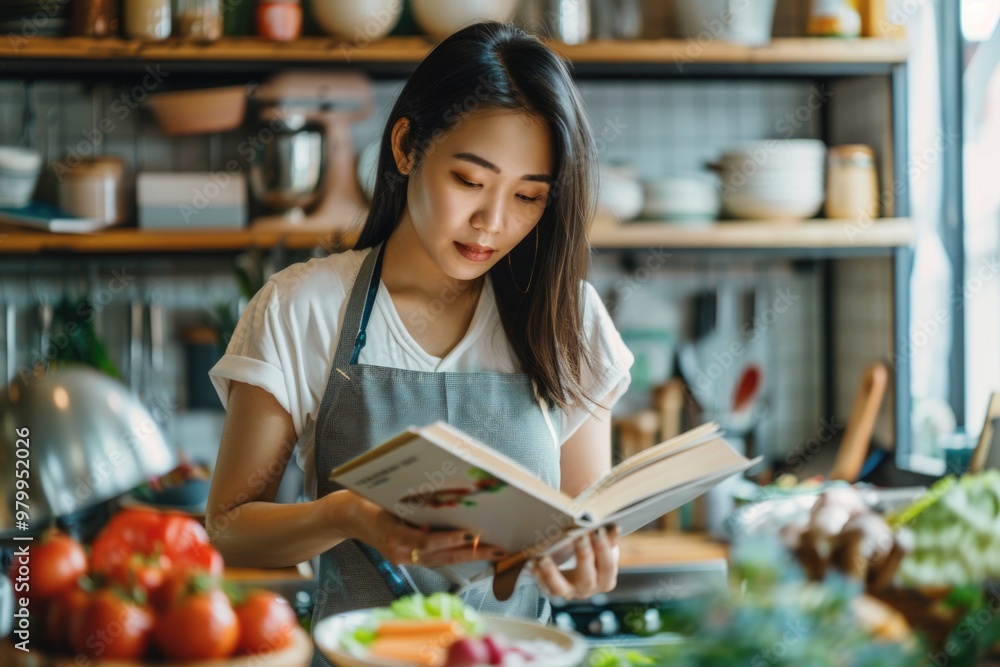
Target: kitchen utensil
[173, 200]
[199, 20]
[851, 183]
[328, 632]
[858, 432]
[741, 21]
[368, 19]
[987, 453]
[135, 344]
[307, 174]
[10, 341]
[94, 18]
[90, 440]
[567, 21]
[279, 21]
[440, 18]
[147, 20]
[93, 189]
[199, 111]
[19, 170]
[748, 388]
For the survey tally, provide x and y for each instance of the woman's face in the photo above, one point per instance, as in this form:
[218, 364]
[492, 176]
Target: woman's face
[480, 190]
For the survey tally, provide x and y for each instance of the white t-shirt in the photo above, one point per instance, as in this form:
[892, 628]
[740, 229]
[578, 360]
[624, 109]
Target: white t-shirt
[286, 338]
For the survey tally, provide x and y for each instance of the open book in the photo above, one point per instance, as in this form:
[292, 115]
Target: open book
[440, 477]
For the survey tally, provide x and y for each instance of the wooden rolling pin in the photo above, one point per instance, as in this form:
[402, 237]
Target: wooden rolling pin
[858, 434]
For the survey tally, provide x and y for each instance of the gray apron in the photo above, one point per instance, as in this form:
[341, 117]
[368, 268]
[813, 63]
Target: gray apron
[372, 404]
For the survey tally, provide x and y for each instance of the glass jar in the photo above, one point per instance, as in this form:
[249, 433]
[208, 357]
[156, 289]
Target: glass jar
[851, 183]
[199, 20]
[95, 18]
[148, 20]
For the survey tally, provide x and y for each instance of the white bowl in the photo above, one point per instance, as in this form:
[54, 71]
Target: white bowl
[621, 194]
[777, 154]
[327, 635]
[681, 198]
[19, 171]
[751, 205]
[748, 22]
[440, 18]
[361, 19]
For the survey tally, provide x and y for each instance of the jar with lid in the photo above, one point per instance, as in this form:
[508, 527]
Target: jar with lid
[834, 18]
[93, 188]
[94, 18]
[851, 183]
[148, 20]
[199, 20]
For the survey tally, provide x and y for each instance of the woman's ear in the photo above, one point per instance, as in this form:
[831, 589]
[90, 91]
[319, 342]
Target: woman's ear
[401, 150]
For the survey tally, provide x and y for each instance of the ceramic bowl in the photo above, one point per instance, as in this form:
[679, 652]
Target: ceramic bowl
[440, 18]
[359, 19]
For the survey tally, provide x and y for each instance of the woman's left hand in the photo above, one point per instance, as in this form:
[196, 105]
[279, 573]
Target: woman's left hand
[596, 568]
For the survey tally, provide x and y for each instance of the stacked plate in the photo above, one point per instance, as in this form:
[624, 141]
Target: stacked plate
[689, 199]
[31, 18]
[778, 179]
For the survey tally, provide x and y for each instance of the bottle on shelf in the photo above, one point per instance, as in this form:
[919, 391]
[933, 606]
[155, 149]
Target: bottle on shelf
[94, 18]
[834, 18]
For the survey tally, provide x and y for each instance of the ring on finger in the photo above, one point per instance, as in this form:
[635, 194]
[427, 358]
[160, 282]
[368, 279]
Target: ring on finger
[415, 556]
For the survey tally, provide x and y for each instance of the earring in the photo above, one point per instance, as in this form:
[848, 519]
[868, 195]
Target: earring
[531, 275]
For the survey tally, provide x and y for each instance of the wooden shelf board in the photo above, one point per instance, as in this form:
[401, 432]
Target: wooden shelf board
[413, 49]
[13, 240]
[820, 234]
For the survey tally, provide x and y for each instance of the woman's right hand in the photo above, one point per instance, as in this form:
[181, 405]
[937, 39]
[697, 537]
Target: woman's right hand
[398, 541]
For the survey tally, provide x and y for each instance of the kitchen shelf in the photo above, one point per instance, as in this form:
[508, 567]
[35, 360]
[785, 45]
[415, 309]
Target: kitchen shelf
[821, 236]
[811, 234]
[398, 55]
[14, 240]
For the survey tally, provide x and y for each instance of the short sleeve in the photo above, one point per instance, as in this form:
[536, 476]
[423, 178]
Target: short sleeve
[254, 354]
[610, 377]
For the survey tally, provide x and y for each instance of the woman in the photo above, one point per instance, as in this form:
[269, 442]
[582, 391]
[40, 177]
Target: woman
[464, 300]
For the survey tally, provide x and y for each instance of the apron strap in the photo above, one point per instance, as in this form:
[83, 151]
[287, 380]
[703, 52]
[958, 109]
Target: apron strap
[359, 309]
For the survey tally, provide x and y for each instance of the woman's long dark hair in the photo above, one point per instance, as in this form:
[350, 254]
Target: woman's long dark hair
[491, 65]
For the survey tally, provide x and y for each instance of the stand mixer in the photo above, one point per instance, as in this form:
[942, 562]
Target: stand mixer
[303, 166]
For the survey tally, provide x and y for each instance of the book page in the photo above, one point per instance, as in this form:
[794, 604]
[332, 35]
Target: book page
[703, 461]
[692, 438]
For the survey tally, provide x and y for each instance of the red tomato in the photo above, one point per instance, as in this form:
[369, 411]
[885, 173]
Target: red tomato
[64, 615]
[202, 558]
[266, 622]
[148, 572]
[115, 628]
[200, 626]
[51, 567]
[139, 527]
[180, 534]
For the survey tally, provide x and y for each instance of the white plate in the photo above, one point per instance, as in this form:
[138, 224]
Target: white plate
[327, 635]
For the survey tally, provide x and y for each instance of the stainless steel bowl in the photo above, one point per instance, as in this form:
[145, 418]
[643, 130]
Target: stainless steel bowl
[84, 439]
[286, 172]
